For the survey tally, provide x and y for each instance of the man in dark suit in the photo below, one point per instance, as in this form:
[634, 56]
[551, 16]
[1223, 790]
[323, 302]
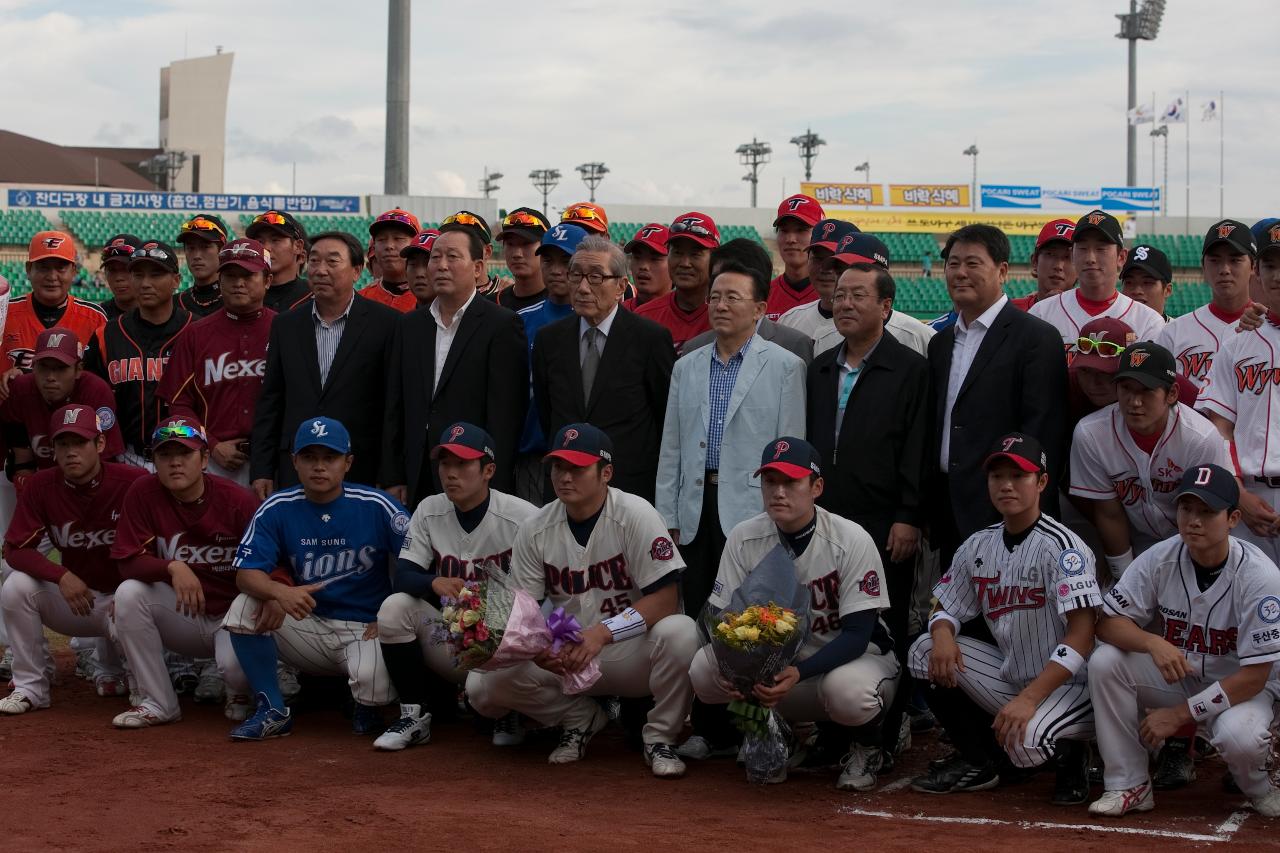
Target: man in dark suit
[329, 357]
[606, 367]
[462, 359]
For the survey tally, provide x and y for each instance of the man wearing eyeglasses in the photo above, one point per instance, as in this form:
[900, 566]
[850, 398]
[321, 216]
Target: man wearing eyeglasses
[793, 227]
[390, 233]
[202, 238]
[115, 269]
[521, 237]
[684, 310]
[285, 240]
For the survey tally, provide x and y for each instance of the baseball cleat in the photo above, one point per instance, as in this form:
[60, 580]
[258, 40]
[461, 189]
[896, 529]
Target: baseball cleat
[954, 775]
[573, 738]
[699, 748]
[1139, 798]
[110, 685]
[663, 761]
[141, 717]
[16, 702]
[185, 683]
[414, 726]
[6, 665]
[209, 689]
[859, 768]
[1071, 774]
[508, 730]
[237, 708]
[287, 677]
[266, 722]
[366, 720]
[1174, 766]
[1268, 805]
[85, 666]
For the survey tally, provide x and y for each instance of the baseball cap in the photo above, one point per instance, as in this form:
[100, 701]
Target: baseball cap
[422, 242]
[322, 432]
[862, 248]
[563, 237]
[1150, 260]
[1059, 230]
[52, 244]
[466, 441]
[654, 235]
[791, 457]
[1213, 484]
[1235, 234]
[155, 252]
[581, 445]
[246, 253]
[801, 208]
[120, 248]
[77, 419]
[206, 226]
[396, 218]
[828, 233]
[697, 227]
[1102, 222]
[1270, 236]
[278, 221]
[590, 216]
[58, 343]
[1108, 339]
[185, 430]
[465, 220]
[525, 223]
[1148, 363]
[1020, 449]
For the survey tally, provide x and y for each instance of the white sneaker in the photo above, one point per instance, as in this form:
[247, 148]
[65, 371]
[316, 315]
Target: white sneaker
[1268, 805]
[858, 769]
[287, 676]
[141, 717]
[16, 702]
[110, 685]
[414, 726]
[1139, 798]
[663, 761]
[237, 708]
[576, 733]
[508, 730]
[210, 688]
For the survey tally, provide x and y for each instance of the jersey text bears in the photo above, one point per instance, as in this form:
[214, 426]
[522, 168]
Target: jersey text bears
[1197, 638]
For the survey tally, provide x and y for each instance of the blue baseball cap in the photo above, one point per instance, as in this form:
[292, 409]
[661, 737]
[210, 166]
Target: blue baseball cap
[564, 237]
[828, 233]
[863, 248]
[465, 441]
[791, 457]
[1266, 233]
[322, 432]
[581, 445]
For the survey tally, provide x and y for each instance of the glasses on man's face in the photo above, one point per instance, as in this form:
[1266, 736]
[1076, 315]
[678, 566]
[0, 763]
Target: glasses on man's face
[732, 299]
[595, 279]
[465, 219]
[1106, 349]
[167, 433]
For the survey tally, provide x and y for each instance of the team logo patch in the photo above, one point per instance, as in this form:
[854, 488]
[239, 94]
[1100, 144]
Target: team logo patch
[1275, 234]
[400, 523]
[1010, 442]
[827, 229]
[455, 431]
[106, 418]
[780, 448]
[1269, 609]
[1095, 218]
[1063, 590]
[1137, 358]
[870, 583]
[1224, 231]
[569, 435]
[318, 429]
[845, 242]
[793, 204]
[1142, 253]
[1072, 562]
[662, 549]
[53, 242]
[648, 231]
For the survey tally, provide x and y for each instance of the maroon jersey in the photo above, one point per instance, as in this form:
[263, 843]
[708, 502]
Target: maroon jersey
[215, 373]
[155, 529]
[25, 415]
[79, 520]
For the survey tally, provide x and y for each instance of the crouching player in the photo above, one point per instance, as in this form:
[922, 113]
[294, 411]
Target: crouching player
[463, 534]
[178, 534]
[604, 556]
[1218, 599]
[338, 542]
[1033, 582]
[846, 673]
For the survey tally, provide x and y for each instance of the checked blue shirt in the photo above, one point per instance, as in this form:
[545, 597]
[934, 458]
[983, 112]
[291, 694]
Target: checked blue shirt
[723, 376]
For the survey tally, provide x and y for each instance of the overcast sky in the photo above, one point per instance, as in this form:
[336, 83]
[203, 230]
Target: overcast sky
[663, 91]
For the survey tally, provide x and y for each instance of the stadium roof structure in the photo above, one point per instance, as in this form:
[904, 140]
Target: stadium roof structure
[26, 160]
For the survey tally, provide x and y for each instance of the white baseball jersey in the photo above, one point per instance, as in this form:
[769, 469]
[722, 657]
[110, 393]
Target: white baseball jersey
[809, 320]
[1234, 623]
[1107, 463]
[1244, 388]
[1024, 592]
[840, 566]
[437, 542]
[1194, 339]
[1064, 312]
[629, 549]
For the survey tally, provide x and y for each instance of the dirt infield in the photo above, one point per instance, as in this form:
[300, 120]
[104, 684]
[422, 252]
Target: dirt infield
[75, 783]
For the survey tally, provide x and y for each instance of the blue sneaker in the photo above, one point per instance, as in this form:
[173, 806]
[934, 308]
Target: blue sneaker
[265, 723]
[366, 720]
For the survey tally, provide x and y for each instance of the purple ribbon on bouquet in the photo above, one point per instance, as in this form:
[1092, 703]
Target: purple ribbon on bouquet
[564, 629]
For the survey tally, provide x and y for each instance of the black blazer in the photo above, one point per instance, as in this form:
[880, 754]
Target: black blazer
[355, 392]
[628, 400]
[485, 381]
[875, 470]
[1016, 383]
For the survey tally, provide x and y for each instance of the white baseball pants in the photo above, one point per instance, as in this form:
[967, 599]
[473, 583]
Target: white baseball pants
[405, 618]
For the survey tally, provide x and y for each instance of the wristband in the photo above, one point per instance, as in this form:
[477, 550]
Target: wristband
[1209, 703]
[944, 616]
[1067, 658]
[627, 625]
[1120, 562]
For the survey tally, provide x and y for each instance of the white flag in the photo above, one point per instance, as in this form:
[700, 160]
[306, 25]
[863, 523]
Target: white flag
[1209, 111]
[1142, 114]
[1175, 113]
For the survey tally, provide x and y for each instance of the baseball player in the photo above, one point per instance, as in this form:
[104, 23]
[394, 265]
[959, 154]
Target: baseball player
[1032, 581]
[390, 233]
[1214, 603]
[464, 534]
[1147, 277]
[77, 505]
[116, 253]
[846, 673]
[1127, 458]
[1050, 263]
[338, 543]
[286, 243]
[417, 257]
[215, 372]
[202, 238]
[647, 260]
[178, 533]
[604, 556]
[51, 268]
[793, 228]
[1097, 253]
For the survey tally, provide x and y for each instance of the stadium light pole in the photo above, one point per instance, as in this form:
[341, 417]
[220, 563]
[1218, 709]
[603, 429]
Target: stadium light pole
[1163, 132]
[972, 151]
[396, 167]
[489, 183]
[1139, 24]
[753, 155]
[544, 181]
[808, 143]
[592, 174]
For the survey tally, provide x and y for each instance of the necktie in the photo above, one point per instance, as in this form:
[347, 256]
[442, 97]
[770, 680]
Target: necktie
[590, 363]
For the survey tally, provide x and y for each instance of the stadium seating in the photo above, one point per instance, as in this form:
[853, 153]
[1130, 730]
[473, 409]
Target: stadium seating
[18, 226]
[1183, 249]
[926, 298]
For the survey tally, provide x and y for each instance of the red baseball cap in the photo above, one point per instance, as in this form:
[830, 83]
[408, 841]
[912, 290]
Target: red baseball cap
[697, 227]
[246, 253]
[77, 419]
[654, 235]
[185, 430]
[60, 344]
[1103, 331]
[395, 218]
[1059, 230]
[51, 244]
[800, 207]
[422, 242]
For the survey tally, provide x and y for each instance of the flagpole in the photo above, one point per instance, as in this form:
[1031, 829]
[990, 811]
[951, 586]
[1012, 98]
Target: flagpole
[1187, 163]
[1222, 133]
[1153, 163]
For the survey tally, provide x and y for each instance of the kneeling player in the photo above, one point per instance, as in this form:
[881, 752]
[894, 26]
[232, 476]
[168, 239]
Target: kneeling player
[604, 556]
[846, 672]
[463, 534]
[1033, 582]
[178, 534]
[1218, 598]
[338, 542]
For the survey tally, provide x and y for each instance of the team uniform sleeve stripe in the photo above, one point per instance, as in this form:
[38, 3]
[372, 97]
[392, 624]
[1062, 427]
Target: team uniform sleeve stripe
[1261, 657]
[375, 497]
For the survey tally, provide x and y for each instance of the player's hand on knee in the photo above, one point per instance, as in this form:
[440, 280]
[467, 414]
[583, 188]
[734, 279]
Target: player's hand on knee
[772, 694]
[77, 594]
[1171, 662]
[270, 617]
[187, 587]
[370, 631]
[550, 662]
[262, 488]
[945, 661]
[904, 541]
[1011, 723]
[1162, 723]
[297, 600]
[447, 587]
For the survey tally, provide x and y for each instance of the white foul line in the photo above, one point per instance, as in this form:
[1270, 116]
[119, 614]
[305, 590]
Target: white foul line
[897, 785]
[1229, 826]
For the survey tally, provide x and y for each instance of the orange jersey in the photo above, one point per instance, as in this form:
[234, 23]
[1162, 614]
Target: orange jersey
[404, 302]
[22, 327]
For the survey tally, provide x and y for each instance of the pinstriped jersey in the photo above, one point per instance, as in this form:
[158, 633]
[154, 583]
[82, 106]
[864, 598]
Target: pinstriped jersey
[1023, 592]
[437, 542]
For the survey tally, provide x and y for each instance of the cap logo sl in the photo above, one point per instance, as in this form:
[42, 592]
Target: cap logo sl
[455, 432]
[560, 234]
[1203, 475]
[1137, 358]
[780, 448]
[648, 231]
[1096, 218]
[1224, 231]
[318, 429]
[569, 435]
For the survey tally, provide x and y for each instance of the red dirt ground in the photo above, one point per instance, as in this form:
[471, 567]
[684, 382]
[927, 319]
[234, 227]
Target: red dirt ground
[75, 783]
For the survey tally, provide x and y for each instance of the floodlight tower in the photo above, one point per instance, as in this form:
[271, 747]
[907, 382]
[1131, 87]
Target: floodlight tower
[753, 155]
[1139, 24]
[544, 181]
[808, 143]
[592, 174]
[489, 183]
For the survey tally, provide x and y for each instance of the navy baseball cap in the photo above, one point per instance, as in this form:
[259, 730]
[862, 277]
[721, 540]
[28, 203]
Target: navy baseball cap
[322, 432]
[1148, 363]
[1020, 449]
[564, 237]
[157, 254]
[1102, 222]
[863, 248]
[207, 227]
[1150, 260]
[581, 445]
[1213, 484]
[828, 233]
[1235, 234]
[526, 223]
[120, 248]
[791, 457]
[465, 441]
